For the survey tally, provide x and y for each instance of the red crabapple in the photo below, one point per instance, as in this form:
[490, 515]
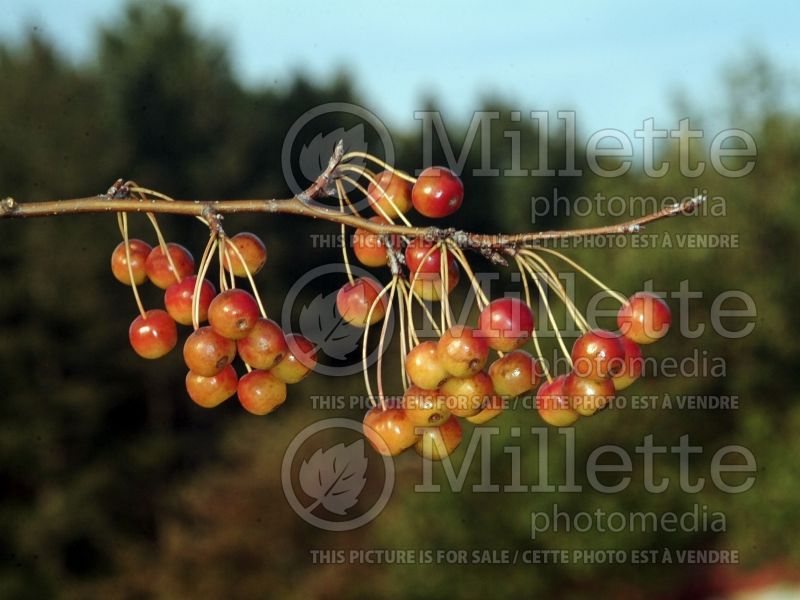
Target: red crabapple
[209, 392]
[153, 335]
[426, 257]
[597, 354]
[506, 323]
[139, 252]
[207, 353]
[389, 430]
[159, 269]
[260, 392]
[252, 250]
[233, 313]
[298, 362]
[632, 364]
[515, 373]
[462, 352]
[355, 299]
[438, 442]
[437, 193]
[645, 318]
[396, 195]
[179, 297]
[424, 367]
[553, 405]
[265, 345]
[587, 396]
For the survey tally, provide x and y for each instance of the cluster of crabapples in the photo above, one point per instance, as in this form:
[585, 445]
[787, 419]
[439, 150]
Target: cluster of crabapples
[452, 377]
[236, 324]
[449, 379]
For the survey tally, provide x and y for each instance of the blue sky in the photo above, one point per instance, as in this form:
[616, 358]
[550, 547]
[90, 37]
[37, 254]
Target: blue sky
[621, 62]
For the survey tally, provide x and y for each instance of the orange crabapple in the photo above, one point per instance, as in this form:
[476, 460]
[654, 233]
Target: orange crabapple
[159, 270]
[424, 407]
[633, 363]
[515, 373]
[139, 252]
[587, 396]
[437, 193]
[506, 323]
[644, 318]
[207, 353]
[389, 430]
[490, 409]
[462, 352]
[424, 367]
[179, 297]
[466, 396]
[355, 299]
[260, 392]
[265, 345]
[252, 250]
[298, 362]
[209, 392]
[597, 354]
[395, 197]
[370, 248]
[435, 443]
[553, 404]
[233, 313]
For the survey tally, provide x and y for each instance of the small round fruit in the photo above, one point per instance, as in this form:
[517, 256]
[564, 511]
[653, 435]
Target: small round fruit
[159, 269]
[424, 407]
[438, 442]
[260, 392]
[252, 250]
[389, 430]
[515, 373]
[426, 257]
[395, 197]
[428, 286]
[209, 392]
[587, 396]
[139, 252]
[506, 323]
[265, 345]
[632, 364]
[424, 367]
[553, 405]
[489, 411]
[207, 353]
[179, 297]
[597, 354]
[644, 319]
[462, 352]
[466, 396]
[298, 362]
[437, 193]
[370, 248]
[153, 335]
[355, 299]
[233, 313]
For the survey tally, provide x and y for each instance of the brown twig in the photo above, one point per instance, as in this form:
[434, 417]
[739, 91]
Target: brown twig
[490, 245]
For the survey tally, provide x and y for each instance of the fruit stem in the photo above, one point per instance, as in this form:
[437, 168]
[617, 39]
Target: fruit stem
[535, 337]
[126, 241]
[372, 306]
[380, 163]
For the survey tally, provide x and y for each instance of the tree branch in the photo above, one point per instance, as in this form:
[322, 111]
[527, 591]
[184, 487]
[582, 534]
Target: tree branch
[118, 199]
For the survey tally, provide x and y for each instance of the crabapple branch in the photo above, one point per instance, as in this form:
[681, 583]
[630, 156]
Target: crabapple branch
[119, 200]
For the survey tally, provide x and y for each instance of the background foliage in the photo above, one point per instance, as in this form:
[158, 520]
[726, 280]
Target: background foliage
[115, 485]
